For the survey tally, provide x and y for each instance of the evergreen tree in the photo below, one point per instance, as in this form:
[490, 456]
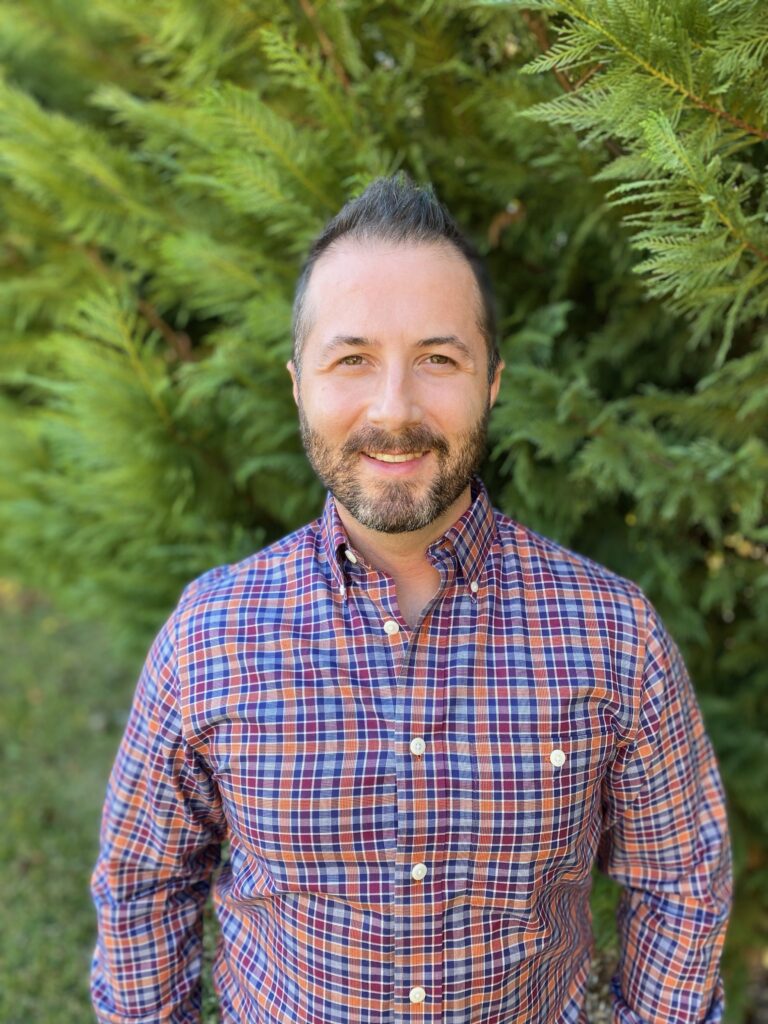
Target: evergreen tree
[163, 169]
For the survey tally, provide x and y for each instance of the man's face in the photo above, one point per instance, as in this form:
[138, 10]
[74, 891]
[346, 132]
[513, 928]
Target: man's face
[393, 394]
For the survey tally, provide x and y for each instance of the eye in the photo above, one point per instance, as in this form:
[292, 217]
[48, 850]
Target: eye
[355, 360]
[438, 359]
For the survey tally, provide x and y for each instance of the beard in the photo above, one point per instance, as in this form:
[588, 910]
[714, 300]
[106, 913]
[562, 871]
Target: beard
[395, 506]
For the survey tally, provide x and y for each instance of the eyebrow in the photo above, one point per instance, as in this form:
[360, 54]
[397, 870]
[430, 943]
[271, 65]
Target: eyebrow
[447, 339]
[340, 340]
[356, 341]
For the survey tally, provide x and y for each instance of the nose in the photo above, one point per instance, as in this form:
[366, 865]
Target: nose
[395, 403]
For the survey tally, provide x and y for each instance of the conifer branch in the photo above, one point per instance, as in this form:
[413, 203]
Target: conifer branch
[539, 30]
[722, 216]
[247, 113]
[134, 359]
[672, 83]
[744, 242]
[325, 44]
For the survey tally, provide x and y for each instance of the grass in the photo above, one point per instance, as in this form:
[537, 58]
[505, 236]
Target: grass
[62, 712]
[63, 704]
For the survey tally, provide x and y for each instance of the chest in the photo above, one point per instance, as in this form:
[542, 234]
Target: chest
[338, 749]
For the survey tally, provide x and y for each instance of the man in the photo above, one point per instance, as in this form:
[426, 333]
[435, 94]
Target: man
[418, 723]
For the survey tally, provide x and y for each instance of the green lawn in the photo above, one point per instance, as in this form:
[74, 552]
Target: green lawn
[62, 712]
[63, 703]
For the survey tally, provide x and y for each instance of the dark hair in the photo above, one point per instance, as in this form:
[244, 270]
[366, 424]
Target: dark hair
[397, 210]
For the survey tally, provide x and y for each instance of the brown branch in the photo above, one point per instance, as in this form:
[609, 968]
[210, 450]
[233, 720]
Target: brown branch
[539, 30]
[325, 44]
[745, 126]
[180, 342]
[514, 211]
[588, 74]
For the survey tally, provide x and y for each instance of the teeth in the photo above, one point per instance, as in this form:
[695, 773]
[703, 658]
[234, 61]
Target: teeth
[383, 457]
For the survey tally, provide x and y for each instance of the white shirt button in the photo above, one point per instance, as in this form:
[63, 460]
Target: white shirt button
[419, 871]
[418, 746]
[350, 556]
[474, 586]
[391, 627]
[417, 994]
[557, 757]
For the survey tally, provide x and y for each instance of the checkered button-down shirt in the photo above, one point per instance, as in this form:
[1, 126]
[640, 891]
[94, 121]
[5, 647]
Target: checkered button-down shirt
[412, 814]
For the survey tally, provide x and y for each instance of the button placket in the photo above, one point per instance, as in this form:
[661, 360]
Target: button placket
[417, 970]
[418, 897]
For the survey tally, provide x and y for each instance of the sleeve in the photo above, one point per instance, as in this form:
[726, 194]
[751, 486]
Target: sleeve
[666, 842]
[160, 841]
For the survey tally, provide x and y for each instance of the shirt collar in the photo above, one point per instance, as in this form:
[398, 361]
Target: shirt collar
[469, 540]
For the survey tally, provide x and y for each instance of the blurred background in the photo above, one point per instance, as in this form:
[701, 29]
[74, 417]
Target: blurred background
[163, 167]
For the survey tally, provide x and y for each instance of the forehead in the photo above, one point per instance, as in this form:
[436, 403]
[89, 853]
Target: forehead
[384, 288]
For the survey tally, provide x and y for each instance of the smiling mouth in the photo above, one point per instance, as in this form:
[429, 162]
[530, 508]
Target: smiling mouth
[390, 457]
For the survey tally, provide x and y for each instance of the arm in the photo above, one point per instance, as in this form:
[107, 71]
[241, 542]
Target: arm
[666, 842]
[160, 841]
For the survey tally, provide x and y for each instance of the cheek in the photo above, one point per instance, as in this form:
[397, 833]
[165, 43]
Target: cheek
[456, 409]
[333, 407]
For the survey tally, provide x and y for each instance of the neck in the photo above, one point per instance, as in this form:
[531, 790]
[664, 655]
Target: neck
[401, 555]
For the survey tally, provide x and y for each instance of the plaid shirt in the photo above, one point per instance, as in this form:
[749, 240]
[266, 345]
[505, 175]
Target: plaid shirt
[412, 814]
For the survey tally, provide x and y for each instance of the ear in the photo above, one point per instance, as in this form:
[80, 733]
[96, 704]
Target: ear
[496, 383]
[291, 368]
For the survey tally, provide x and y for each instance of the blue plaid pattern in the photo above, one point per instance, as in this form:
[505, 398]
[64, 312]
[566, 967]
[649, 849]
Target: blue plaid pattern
[277, 711]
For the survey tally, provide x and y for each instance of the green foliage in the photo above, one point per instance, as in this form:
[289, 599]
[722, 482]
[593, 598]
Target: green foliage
[163, 169]
[686, 120]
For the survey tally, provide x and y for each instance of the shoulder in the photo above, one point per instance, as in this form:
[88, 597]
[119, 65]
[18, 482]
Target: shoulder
[280, 571]
[562, 575]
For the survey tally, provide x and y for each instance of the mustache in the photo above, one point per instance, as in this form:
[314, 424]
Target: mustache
[412, 439]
